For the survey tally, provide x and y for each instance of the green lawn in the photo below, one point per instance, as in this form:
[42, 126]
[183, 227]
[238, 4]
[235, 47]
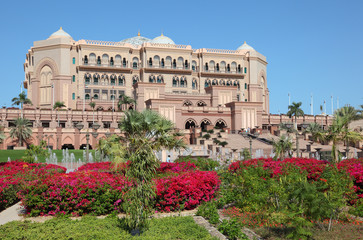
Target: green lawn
[108, 228]
[18, 154]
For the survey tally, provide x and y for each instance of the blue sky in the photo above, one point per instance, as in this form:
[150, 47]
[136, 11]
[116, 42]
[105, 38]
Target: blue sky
[312, 47]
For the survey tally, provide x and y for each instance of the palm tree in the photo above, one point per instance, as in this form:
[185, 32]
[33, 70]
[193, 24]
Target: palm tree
[57, 106]
[143, 134]
[124, 101]
[316, 131]
[21, 100]
[295, 111]
[22, 130]
[281, 146]
[349, 114]
[93, 105]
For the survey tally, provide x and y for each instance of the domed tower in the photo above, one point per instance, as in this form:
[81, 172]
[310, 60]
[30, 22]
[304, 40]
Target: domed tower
[163, 40]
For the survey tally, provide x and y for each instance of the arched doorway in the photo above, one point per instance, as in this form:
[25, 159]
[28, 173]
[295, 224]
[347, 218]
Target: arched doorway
[204, 123]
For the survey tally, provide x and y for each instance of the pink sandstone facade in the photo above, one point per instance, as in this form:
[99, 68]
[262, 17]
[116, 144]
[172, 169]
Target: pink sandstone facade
[193, 88]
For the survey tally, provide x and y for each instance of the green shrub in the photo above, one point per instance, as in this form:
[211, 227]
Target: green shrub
[206, 136]
[204, 164]
[358, 209]
[223, 144]
[210, 131]
[209, 211]
[232, 229]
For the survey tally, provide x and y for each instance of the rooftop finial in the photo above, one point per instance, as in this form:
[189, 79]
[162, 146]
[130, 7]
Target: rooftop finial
[245, 42]
[60, 28]
[162, 34]
[138, 33]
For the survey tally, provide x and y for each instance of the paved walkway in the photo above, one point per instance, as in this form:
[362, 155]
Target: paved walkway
[11, 214]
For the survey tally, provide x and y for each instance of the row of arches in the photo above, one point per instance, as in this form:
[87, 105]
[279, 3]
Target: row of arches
[191, 123]
[223, 67]
[200, 103]
[168, 62]
[104, 79]
[105, 60]
[223, 82]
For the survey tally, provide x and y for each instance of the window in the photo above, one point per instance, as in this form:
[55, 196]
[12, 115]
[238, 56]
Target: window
[74, 60]
[245, 70]
[217, 67]
[112, 97]
[246, 100]
[121, 80]
[86, 96]
[87, 79]
[174, 63]
[162, 63]
[124, 62]
[98, 60]
[152, 79]
[193, 68]
[73, 96]
[206, 66]
[228, 68]
[73, 78]
[237, 97]
[194, 84]
[183, 82]
[150, 62]
[95, 96]
[111, 62]
[245, 85]
[113, 81]
[134, 65]
[239, 68]
[95, 79]
[175, 81]
[186, 65]
[160, 79]
[85, 60]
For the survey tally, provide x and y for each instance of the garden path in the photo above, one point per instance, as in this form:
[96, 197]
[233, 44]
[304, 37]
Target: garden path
[12, 213]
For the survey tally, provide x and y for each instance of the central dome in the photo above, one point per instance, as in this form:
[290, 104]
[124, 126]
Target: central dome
[60, 34]
[163, 40]
[245, 46]
[138, 40]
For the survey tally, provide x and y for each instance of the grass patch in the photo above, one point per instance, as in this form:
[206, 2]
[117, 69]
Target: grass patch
[109, 228]
[18, 154]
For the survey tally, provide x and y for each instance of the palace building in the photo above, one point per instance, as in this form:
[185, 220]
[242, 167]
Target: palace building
[193, 88]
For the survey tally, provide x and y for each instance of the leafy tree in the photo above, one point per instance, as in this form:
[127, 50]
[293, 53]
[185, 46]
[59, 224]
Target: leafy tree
[93, 105]
[281, 146]
[143, 133]
[34, 150]
[105, 146]
[295, 111]
[124, 101]
[316, 131]
[22, 130]
[57, 106]
[21, 100]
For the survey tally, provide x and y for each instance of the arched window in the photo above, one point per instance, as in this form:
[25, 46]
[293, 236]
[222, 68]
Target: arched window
[239, 68]
[121, 80]
[160, 79]
[207, 83]
[229, 83]
[87, 78]
[111, 62]
[187, 103]
[174, 63]
[104, 78]
[228, 68]
[245, 85]
[135, 79]
[194, 66]
[86, 96]
[162, 63]
[124, 62]
[113, 80]
[150, 62]
[220, 124]
[152, 78]
[194, 84]
[168, 62]
[183, 82]
[206, 66]
[156, 61]
[204, 123]
[222, 82]
[74, 60]
[215, 82]
[217, 67]
[73, 96]
[98, 60]
[211, 65]
[95, 96]
[190, 124]
[186, 65]
[245, 70]
[85, 61]
[201, 104]
[135, 63]
[233, 66]
[96, 78]
[175, 81]
[112, 97]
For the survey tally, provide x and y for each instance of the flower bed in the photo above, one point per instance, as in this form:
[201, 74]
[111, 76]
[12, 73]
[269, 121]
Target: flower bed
[355, 168]
[15, 174]
[92, 190]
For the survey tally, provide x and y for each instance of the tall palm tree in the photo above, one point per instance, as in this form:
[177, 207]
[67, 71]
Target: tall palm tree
[143, 134]
[93, 105]
[124, 101]
[281, 146]
[57, 106]
[22, 130]
[295, 111]
[349, 114]
[21, 100]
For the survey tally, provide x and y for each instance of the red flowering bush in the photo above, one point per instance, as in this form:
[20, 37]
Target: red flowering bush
[187, 190]
[13, 175]
[75, 193]
[355, 168]
[176, 167]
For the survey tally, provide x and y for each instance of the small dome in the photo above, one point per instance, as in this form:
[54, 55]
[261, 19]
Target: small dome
[60, 34]
[138, 40]
[245, 46]
[163, 40]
